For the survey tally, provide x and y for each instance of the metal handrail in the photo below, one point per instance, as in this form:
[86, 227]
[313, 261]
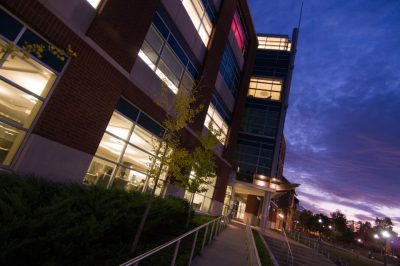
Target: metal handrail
[218, 224]
[287, 242]
[254, 258]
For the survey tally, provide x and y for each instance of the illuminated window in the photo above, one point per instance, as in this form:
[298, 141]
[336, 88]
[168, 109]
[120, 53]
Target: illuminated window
[163, 54]
[239, 32]
[229, 70]
[123, 157]
[227, 200]
[24, 86]
[202, 201]
[265, 88]
[218, 119]
[274, 43]
[202, 16]
[94, 3]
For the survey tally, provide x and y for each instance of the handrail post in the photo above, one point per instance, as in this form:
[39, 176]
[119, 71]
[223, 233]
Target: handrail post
[204, 239]
[211, 232]
[175, 252]
[193, 248]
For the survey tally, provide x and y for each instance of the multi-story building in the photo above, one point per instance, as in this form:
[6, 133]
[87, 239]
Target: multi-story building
[91, 118]
[261, 147]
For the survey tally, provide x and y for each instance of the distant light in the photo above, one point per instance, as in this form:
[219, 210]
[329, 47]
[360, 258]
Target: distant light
[359, 240]
[330, 227]
[281, 215]
[385, 234]
[376, 236]
[320, 220]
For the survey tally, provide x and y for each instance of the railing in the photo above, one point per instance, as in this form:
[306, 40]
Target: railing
[289, 249]
[212, 229]
[253, 257]
[337, 255]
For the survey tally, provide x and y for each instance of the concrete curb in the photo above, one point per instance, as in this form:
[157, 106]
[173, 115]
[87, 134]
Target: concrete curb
[274, 261]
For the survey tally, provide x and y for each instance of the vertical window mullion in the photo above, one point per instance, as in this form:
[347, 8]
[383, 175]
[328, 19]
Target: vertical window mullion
[161, 51]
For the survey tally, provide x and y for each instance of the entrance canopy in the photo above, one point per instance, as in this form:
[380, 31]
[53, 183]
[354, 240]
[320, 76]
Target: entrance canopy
[251, 189]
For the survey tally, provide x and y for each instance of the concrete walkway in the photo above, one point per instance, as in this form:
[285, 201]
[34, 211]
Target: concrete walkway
[229, 248]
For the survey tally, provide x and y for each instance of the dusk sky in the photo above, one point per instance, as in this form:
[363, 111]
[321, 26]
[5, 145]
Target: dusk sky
[343, 124]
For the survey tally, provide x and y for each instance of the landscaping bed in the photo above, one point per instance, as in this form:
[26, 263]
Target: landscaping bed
[45, 223]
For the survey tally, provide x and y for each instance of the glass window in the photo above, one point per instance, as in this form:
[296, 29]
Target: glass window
[274, 43]
[94, 3]
[99, 172]
[265, 88]
[128, 151]
[136, 159]
[110, 147]
[202, 201]
[24, 85]
[142, 139]
[129, 179]
[229, 70]
[9, 27]
[163, 54]
[29, 74]
[10, 139]
[17, 106]
[218, 123]
[119, 126]
[200, 16]
[239, 32]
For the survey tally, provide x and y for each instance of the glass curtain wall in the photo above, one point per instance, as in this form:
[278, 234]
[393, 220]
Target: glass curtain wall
[25, 83]
[229, 70]
[165, 56]
[125, 151]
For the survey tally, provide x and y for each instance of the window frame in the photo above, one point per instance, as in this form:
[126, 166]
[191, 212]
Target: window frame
[168, 39]
[58, 75]
[127, 142]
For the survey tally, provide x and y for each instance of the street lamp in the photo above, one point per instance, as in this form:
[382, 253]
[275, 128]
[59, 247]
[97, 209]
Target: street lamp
[330, 226]
[376, 236]
[359, 240]
[320, 220]
[386, 235]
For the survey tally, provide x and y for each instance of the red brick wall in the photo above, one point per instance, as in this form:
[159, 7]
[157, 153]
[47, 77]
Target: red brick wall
[120, 27]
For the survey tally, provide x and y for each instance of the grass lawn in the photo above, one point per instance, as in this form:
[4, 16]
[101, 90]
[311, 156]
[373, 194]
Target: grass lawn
[262, 250]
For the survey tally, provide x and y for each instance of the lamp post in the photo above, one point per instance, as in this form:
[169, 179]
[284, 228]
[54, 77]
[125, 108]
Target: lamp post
[386, 235]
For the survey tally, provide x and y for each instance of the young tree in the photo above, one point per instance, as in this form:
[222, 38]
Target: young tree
[171, 158]
[202, 166]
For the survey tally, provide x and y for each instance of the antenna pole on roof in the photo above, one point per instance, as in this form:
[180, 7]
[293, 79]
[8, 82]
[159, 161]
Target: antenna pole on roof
[301, 13]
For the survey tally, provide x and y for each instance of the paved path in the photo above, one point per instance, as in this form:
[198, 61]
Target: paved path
[229, 248]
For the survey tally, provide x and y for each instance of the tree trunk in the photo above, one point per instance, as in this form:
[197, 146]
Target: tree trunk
[147, 209]
[190, 210]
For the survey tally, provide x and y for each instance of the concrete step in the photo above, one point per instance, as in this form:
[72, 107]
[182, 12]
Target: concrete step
[303, 256]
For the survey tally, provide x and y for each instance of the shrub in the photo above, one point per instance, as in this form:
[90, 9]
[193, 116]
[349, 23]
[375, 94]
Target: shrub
[44, 223]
